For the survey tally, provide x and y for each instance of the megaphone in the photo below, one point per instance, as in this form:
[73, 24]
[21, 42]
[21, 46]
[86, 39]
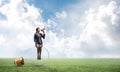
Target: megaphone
[43, 29]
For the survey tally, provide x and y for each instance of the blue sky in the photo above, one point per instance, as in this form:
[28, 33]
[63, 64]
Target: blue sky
[74, 28]
[50, 7]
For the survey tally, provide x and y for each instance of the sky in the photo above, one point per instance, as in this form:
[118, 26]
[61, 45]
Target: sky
[74, 28]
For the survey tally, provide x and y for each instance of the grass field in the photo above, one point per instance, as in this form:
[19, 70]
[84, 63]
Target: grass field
[62, 65]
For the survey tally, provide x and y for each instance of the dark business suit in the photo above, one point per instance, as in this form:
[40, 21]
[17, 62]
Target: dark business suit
[38, 43]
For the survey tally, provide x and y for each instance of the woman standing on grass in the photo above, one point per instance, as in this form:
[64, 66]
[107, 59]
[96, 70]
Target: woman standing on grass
[38, 41]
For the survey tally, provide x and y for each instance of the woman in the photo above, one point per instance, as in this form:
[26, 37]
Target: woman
[38, 41]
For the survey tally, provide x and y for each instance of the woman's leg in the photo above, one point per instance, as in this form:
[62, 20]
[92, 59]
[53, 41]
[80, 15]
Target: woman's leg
[40, 50]
[37, 52]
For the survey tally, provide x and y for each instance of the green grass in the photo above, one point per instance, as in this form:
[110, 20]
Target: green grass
[62, 65]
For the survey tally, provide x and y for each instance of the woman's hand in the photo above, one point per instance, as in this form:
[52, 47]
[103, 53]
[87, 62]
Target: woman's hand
[43, 30]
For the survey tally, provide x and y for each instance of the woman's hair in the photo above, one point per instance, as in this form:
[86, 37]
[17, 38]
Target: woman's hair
[37, 29]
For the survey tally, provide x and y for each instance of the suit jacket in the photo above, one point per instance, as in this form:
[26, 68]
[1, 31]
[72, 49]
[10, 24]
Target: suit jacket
[38, 38]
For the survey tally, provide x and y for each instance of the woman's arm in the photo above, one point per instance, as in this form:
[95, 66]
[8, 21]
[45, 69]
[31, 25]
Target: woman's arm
[43, 35]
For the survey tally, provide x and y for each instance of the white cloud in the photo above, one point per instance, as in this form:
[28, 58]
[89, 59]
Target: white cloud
[0, 2]
[97, 37]
[92, 33]
[54, 44]
[99, 29]
[108, 56]
[61, 15]
[2, 40]
[19, 27]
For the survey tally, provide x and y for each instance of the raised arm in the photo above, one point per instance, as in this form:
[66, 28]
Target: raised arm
[43, 35]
